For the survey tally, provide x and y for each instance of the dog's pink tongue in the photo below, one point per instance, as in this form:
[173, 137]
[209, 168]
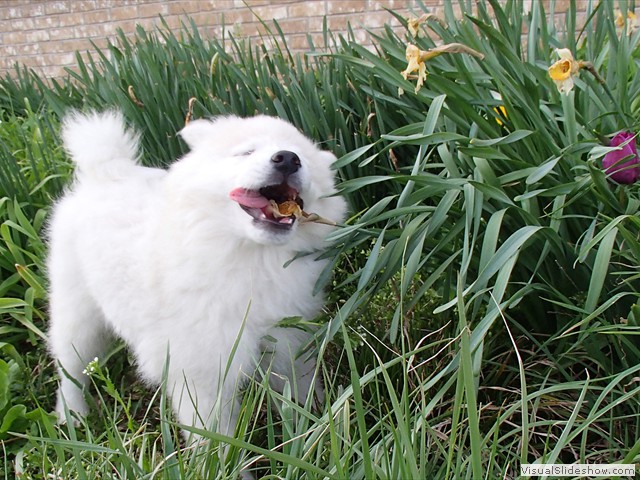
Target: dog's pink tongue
[248, 198]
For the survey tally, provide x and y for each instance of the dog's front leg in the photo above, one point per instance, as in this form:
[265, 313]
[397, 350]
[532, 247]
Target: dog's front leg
[77, 335]
[286, 361]
[204, 400]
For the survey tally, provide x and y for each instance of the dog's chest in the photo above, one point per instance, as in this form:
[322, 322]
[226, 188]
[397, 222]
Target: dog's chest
[256, 291]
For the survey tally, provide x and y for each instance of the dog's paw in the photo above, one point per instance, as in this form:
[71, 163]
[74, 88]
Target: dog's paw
[66, 412]
[66, 417]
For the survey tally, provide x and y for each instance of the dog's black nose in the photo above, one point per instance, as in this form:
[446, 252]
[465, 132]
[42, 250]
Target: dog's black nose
[286, 162]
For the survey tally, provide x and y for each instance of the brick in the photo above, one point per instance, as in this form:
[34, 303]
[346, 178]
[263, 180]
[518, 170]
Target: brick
[46, 21]
[378, 19]
[66, 59]
[89, 31]
[11, 13]
[307, 9]
[396, 4]
[216, 5]
[300, 43]
[248, 29]
[97, 16]
[51, 8]
[53, 47]
[200, 5]
[34, 9]
[339, 22]
[100, 4]
[7, 51]
[35, 36]
[122, 13]
[153, 10]
[206, 18]
[269, 12]
[173, 21]
[149, 24]
[18, 37]
[58, 35]
[291, 26]
[345, 6]
[181, 8]
[234, 16]
[27, 49]
[250, 3]
[318, 41]
[315, 24]
[56, 61]
[127, 26]
[22, 24]
[83, 5]
[69, 20]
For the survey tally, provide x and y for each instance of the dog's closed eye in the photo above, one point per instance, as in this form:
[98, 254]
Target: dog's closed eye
[244, 153]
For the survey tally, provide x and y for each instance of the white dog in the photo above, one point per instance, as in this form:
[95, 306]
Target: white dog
[185, 262]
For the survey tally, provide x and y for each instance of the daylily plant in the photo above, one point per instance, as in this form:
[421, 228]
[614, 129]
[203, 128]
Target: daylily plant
[623, 165]
[416, 59]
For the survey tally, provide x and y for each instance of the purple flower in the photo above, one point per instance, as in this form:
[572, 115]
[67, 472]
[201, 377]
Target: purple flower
[627, 171]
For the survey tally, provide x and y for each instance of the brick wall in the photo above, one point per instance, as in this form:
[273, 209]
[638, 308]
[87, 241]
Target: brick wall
[44, 34]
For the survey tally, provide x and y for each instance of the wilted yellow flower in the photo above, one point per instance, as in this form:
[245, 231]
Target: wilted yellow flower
[631, 21]
[415, 62]
[416, 59]
[563, 71]
[413, 24]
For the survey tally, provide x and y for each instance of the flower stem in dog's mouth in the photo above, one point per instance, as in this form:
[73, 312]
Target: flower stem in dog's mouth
[275, 204]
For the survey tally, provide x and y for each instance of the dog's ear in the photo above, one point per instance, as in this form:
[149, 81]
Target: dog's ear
[196, 132]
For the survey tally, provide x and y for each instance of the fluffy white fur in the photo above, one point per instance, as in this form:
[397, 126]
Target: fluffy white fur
[166, 260]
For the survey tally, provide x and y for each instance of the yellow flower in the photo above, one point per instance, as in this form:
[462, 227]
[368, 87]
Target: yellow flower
[563, 71]
[502, 112]
[632, 24]
[416, 58]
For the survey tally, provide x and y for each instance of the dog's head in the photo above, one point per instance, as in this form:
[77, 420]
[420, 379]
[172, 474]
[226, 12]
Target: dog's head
[244, 168]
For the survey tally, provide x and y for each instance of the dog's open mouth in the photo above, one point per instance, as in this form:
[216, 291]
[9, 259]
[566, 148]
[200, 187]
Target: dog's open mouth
[274, 205]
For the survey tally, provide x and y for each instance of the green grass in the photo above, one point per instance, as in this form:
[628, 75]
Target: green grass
[484, 295]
